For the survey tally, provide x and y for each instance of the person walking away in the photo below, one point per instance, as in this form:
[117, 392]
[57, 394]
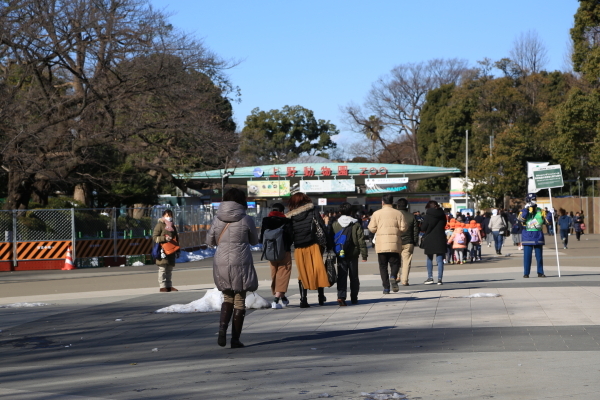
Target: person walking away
[478, 217]
[409, 239]
[582, 222]
[486, 229]
[277, 224]
[577, 222]
[434, 239]
[389, 225]
[166, 232]
[564, 224]
[347, 263]
[516, 231]
[233, 232]
[307, 251]
[449, 230]
[458, 240]
[572, 223]
[366, 232]
[475, 234]
[550, 221]
[533, 220]
[498, 228]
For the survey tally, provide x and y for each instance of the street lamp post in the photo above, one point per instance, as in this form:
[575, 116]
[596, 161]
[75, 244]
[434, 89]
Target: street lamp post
[224, 179]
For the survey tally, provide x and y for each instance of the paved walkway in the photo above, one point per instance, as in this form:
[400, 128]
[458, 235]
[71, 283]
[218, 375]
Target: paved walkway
[540, 339]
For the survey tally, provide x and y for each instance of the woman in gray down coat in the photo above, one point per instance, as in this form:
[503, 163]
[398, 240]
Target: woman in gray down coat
[233, 232]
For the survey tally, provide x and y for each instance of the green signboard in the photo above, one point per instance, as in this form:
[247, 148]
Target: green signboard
[548, 177]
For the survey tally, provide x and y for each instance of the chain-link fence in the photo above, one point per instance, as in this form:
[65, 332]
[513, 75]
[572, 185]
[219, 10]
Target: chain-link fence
[96, 237]
[6, 226]
[44, 225]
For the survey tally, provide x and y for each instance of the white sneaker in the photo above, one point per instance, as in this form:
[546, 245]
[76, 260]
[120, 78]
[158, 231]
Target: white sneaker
[276, 305]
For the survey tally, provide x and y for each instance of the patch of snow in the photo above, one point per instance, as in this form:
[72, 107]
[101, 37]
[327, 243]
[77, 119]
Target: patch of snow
[24, 305]
[155, 349]
[118, 320]
[211, 301]
[383, 394]
[138, 264]
[187, 256]
[475, 295]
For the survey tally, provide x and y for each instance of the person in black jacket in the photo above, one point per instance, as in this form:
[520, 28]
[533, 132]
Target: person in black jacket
[307, 252]
[435, 239]
[280, 270]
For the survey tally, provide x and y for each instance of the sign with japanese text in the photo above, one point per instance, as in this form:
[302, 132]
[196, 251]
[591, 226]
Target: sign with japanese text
[548, 177]
[327, 186]
[386, 185]
[268, 188]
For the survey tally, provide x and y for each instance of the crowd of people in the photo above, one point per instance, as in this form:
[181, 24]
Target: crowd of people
[327, 246]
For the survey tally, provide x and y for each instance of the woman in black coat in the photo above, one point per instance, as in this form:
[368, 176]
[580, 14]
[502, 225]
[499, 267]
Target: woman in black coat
[435, 239]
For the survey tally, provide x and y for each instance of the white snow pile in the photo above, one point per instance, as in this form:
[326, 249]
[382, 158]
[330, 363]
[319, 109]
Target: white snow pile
[138, 264]
[474, 295]
[383, 394]
[187, 256]
[24, 305]
[212, 301]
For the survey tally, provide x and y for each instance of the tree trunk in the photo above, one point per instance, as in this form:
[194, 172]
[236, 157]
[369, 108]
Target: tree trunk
[83, 194]
[41, 190]
[19, 191]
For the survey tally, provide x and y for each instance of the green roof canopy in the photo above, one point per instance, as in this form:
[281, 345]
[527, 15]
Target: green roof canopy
[326, 170]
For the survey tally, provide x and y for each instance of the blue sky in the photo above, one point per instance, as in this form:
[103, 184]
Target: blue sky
[324, 54]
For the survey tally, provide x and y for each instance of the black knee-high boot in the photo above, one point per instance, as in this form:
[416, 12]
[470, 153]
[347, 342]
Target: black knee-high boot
[322, 298]
[226, 311]
[303, 296]
[236, 328]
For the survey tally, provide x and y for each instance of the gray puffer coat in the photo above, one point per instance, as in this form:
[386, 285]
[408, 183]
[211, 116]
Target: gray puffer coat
[233, 266]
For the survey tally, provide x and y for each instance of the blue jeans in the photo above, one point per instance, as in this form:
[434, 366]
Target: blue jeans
[564, 236]
[440, 263]
[498, 240]
[527, 253]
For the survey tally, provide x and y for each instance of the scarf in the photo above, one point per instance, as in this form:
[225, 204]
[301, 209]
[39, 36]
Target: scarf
[276, 214]
[169, 225]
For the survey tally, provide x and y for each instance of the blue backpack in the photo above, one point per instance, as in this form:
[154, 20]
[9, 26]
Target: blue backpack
[343, 241]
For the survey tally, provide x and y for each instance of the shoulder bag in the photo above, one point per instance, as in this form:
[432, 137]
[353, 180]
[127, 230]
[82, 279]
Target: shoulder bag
[330, 267]
[222, 232]
[319, 233]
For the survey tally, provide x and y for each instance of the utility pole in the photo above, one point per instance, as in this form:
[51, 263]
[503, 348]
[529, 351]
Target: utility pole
[467, 169]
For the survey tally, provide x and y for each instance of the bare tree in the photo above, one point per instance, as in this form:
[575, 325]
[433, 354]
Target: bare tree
[529, 52]
[85, 84]
[396, 101]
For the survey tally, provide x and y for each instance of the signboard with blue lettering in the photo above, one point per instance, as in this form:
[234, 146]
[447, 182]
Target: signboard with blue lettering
[386, 185]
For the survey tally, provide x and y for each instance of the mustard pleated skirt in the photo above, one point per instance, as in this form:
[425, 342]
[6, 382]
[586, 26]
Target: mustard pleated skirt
[311, 270]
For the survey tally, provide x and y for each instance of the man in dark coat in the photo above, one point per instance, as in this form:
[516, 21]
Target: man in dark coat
[435, 239]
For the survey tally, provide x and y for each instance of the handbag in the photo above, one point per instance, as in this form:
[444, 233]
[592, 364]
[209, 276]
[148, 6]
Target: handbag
[319, 233]
[330, 267]
[422, 242]
[171, 246]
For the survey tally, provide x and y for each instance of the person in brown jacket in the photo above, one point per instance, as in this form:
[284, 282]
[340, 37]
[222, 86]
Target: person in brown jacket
[164, 231]
[388, 224]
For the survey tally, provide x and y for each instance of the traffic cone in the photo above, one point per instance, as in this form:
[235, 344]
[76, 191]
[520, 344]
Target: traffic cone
[69, 261]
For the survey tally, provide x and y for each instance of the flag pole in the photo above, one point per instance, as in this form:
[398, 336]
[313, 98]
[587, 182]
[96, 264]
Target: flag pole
[554, 230]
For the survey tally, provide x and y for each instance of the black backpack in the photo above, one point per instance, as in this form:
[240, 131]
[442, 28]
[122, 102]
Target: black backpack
[273, 247]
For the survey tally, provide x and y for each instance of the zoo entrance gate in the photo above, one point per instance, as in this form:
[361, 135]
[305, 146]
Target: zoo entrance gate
[40, 239]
